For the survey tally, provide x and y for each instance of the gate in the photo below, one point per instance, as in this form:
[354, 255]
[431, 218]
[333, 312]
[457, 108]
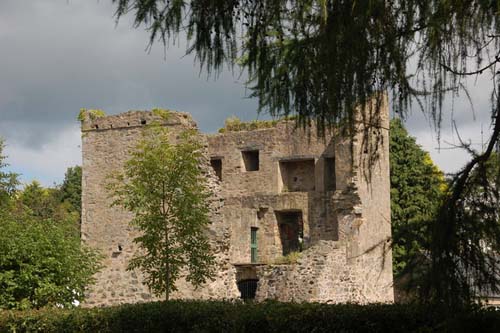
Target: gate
[248, 288]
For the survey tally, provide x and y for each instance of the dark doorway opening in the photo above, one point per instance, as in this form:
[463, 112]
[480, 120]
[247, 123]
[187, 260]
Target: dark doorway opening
[291, 230]
[248, 288]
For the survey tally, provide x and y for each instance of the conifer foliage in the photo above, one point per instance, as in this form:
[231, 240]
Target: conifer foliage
[417, 189]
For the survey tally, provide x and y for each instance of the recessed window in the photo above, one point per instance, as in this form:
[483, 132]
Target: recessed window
[216, 164]
[329, 174]
[297, 175]
[291, 230]
[251, 160]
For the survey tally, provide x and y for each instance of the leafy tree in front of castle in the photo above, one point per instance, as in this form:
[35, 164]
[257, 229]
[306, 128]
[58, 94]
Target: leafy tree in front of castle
[163, 185]
[42, 263]
[42, 260]
[417, 189]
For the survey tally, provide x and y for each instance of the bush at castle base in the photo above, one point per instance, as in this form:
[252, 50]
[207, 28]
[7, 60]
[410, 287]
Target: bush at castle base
[200, 316]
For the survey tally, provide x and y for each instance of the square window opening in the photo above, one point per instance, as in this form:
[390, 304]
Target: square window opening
[250, 160]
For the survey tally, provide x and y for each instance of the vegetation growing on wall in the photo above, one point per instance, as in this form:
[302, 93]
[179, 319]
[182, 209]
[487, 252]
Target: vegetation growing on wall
[290, 258]
[162, 113]
[234, 124]
[93, 114]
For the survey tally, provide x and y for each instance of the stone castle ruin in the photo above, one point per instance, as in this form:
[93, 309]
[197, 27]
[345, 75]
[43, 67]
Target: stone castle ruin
[294, 216]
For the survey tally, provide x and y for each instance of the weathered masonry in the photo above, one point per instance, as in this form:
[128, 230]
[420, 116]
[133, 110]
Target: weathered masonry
[294, 217]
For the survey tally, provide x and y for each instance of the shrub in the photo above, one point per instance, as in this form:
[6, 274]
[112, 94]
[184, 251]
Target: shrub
[234, 124]
[209, 316]
[290, 258]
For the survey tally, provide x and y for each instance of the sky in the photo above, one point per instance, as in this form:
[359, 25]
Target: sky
[57, 56]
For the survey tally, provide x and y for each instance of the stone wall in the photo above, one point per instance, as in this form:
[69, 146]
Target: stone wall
[357, 267]
[343, 216]
[106, 143]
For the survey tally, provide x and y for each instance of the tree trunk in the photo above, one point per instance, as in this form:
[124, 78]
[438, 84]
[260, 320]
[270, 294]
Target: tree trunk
[167, 266]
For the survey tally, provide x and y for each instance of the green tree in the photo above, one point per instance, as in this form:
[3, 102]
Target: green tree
[42, 263]
[8, 180]
[319, 59]
[71, 188]
[163, 186]
[417, 189]
[37, 200]
[45, 203]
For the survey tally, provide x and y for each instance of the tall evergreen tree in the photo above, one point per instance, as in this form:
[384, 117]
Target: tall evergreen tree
[71, 188]
[417, 189]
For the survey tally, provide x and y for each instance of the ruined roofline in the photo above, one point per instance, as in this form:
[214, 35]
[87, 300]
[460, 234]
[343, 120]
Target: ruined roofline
[96, 120]
[90, 121]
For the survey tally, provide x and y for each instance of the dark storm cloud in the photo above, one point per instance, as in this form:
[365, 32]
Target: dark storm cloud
[57, 56]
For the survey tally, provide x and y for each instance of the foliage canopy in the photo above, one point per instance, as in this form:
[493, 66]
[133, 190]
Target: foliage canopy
[42, 263]
[42, 260]
[71, 188]
[319, 59]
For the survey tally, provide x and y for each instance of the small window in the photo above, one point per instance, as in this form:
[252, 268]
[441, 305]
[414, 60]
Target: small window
[253, 245]
[329, 174]
[251, 160]
[216, 164]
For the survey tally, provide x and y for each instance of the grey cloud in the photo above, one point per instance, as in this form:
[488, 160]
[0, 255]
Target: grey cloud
[57, 56]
